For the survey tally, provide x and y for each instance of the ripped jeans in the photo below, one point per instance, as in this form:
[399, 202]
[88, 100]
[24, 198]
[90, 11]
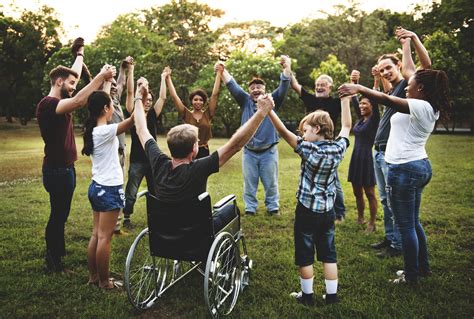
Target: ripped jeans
[405, 184]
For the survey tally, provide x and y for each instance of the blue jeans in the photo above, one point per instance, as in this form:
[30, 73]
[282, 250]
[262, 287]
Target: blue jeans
[391, 230]
[136, 172]
[262, 166]
[405, 183]
[339, 206]
[60, 184]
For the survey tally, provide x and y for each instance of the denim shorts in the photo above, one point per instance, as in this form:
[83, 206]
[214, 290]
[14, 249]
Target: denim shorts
[106, 198]
[314, 231]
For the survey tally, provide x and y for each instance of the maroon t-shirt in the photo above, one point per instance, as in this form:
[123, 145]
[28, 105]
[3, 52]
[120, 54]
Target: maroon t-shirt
[57, 133]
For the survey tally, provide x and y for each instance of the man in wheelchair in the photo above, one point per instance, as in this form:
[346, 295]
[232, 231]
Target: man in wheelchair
[182, 177]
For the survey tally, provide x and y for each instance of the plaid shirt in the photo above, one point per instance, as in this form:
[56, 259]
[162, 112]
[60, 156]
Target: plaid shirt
[317, 189]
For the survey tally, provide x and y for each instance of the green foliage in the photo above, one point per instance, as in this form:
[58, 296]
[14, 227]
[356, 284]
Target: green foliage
[26, 44]
[447, 55]
[332, 67]
[351, 35]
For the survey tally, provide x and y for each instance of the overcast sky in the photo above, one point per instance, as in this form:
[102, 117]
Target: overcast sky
[85, 18]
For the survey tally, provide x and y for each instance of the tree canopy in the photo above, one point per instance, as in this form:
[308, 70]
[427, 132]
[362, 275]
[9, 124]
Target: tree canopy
[178, 34]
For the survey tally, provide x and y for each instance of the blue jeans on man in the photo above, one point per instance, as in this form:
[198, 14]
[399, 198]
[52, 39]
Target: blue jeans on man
[261, 166]
[392, 232]
[60, 184]
[136, 172]
[405, 183]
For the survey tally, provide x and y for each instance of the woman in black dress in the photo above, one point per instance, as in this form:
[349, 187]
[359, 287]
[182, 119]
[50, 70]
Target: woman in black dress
[361, 167]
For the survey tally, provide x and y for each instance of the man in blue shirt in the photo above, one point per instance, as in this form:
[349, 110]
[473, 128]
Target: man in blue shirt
[260, 156]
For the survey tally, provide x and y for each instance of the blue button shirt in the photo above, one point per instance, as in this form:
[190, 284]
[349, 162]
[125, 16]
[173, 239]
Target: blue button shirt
[266, 134]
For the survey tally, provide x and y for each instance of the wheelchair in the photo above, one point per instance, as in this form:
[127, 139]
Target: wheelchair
[180, 238]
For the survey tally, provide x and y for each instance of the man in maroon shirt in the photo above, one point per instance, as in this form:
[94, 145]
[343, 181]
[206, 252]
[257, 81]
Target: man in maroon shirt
[54, 114]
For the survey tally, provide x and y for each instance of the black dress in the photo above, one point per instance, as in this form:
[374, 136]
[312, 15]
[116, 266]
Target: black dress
[361, 167]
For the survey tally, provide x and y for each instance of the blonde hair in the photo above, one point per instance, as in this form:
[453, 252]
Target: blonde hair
[181, 140]
[319, 118]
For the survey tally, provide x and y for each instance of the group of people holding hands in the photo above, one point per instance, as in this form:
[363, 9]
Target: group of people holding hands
[414, 101]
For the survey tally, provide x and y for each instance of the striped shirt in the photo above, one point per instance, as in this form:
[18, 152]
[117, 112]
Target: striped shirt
[319, 161]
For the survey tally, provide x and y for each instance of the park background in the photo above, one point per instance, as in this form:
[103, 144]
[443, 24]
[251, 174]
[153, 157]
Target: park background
[180, 34]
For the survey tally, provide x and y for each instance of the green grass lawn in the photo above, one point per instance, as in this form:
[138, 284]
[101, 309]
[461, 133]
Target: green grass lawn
[27, 290]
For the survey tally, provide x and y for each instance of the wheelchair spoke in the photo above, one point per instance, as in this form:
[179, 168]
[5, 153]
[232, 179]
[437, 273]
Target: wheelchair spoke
[223, 269]
[140, 273]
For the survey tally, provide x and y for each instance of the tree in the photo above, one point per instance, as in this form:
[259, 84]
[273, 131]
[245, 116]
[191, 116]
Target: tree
[353, 36]
[335, 69]
[251, 36]
[26, 45]
[447, 55]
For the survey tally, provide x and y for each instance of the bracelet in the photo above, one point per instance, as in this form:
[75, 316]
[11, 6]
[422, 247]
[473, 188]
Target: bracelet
[80, 54]
[137, 99]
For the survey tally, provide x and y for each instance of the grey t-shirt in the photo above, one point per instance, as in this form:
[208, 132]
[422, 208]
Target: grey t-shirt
[383, 131]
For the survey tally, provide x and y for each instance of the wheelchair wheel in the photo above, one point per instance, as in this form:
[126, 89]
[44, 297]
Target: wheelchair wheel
[145, 275]
[223, 275]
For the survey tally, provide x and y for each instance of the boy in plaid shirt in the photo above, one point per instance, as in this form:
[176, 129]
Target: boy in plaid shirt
[314, 221]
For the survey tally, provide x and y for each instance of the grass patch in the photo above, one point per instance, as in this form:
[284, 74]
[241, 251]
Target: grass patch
[447, 213]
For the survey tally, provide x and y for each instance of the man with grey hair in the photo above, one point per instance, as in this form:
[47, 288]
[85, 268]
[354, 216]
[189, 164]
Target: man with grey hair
[323, 100]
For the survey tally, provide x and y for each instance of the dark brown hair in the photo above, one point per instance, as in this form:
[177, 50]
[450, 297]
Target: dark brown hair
[390, 56]
[435, 90]
[95, 104]
[61, 72]
[199, 92]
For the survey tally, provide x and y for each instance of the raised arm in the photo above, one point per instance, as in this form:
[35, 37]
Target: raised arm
[177, 101]
[420, 49]
[406, 38]
[158, 107]
[235, 90]
[121, 80]
[355, 77]
[408, 65]
[398, 104]
[130, 88]
[219, 68]
[125, 124]
[286, 134]
[295, 85]
[80, 99]
[246, 131]
[139, 115]
[346, 120]
[107, 86]
[226, 77]
[77, 50]
[285, 63]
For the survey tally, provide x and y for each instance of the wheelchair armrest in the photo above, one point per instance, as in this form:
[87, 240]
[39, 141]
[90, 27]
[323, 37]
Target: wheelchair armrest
[141, 194]
[224, 201]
